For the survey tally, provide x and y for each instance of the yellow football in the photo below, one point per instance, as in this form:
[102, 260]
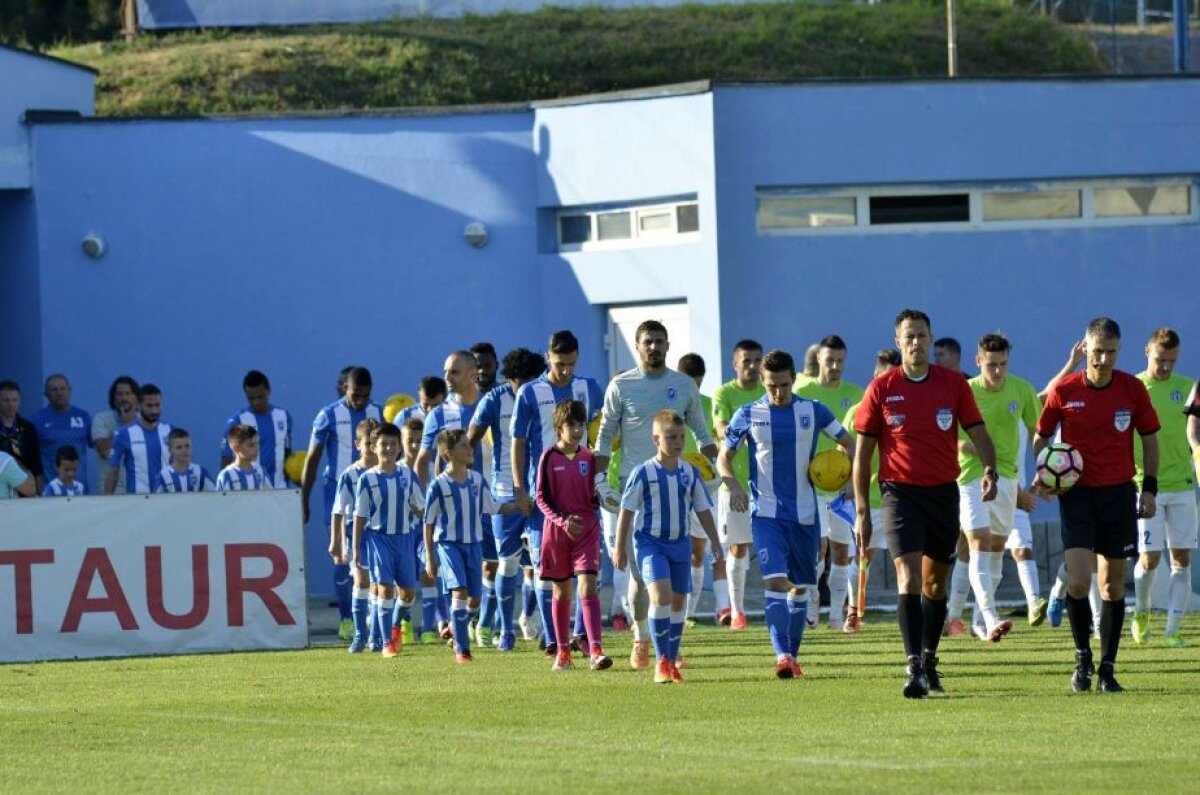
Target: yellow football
[829, 470]
[396, 404]
[293, 465]
[702, 464]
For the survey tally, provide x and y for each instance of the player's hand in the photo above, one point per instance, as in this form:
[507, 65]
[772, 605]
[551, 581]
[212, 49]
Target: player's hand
[574, 526]
[1026, 501]
[607, 495]
[738, 501]
[863, 530]
[521, 498]
[1147, 505]
[431, 570]
[1040, 489]
[988, 485]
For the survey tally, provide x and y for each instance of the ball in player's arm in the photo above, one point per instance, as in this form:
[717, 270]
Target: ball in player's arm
[1097, 411]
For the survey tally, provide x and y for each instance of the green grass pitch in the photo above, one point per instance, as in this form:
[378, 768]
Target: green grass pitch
[322, 720]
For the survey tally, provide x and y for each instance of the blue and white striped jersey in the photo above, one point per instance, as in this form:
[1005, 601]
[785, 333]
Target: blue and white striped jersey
[334, 429]
[451, 415]
[346, 491]
[663, 500]
[275, 440]
[56, 488]
[388, 501]
[782, 442]
[494, 412]
[413, 412]
[457, 510]
[533, 415]
[139, 453]
[234, 478]
[194, 478]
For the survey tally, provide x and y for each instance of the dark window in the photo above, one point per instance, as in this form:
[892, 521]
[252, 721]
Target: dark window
[925, 208]
[687, 218]
[574, 229]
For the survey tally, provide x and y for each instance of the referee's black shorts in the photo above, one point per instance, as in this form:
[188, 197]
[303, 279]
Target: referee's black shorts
[1100, 518]
[921, 519]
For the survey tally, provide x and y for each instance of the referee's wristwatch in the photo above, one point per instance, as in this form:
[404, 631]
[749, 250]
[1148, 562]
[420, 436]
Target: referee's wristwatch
[991, 471]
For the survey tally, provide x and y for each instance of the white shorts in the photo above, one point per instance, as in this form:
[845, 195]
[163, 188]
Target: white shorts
[1021, 536]
[733, 527]
[694, 528]
[997, 516]
[1174, 522]
[833, 526]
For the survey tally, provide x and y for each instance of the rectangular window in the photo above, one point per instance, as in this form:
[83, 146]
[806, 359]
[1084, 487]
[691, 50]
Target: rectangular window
[658, 221]
[1031, 205]
[921, 208]
[574, 229]
[687, 218]
[801, 212]
[1133, 202]
[664, 221]
[613, 226]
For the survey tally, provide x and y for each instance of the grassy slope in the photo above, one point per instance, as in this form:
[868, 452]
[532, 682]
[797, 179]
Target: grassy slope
[322, 720]
[556, 52]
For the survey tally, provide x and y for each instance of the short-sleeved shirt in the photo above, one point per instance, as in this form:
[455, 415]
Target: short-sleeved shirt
[494, 413]
[533, 414]
[782, 442]
[1099, 423]
[662, 500]
[234, 478]
[275, 440]
[837, 399]
[916, 424]
[140, 452]
[70, 428]
[689, 440]
[728, 398]
[346, 492]
[104, 427]
[172, 481]
[1169, 398]
[451, 416]
[56, 488]
[456, 510]
[21, 441]
[11, 476]
[387, 501]
[1010, 413]
[876, 496]
[334, 429]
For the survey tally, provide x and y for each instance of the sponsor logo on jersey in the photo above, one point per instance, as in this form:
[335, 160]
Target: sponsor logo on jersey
[893, 398]
[1121, 420]
[1075, 404]
[760, 423]
[945, 419]
[895, 420]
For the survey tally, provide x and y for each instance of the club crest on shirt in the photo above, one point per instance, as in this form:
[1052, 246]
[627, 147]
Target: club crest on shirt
[583, 468]
[805, 422]
[279, 425]
[945, 419]
[671, 393]
[474, 489]
[1121, 420]
[845, 404]
[895, 420]
[1176, 396]
[1012, 407]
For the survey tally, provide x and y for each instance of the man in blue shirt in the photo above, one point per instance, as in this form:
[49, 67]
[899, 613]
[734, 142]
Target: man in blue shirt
[274, 426]
[60, 424]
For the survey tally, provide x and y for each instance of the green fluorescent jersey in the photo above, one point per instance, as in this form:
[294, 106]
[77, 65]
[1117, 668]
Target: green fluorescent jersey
[837, 399]
[876, 499]
[1007, 413]
[1169, 398]
[728, 398]
[689, 443]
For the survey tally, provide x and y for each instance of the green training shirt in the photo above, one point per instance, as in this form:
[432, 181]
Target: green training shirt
[1169, 398]
[1004, 412]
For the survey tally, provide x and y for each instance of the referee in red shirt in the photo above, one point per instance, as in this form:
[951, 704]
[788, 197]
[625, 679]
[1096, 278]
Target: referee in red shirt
[912, 414]
[1097, 411]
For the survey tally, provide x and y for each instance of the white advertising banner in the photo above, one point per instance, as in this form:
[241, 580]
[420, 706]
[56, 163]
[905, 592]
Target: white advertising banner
[163, 574]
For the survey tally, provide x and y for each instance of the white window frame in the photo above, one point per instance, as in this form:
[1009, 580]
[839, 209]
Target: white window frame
[637, 238]
[1087, 218]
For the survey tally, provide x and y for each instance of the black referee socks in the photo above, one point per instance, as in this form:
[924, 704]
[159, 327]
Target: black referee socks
[910, 616]
[1112, 620]
[1079, 613]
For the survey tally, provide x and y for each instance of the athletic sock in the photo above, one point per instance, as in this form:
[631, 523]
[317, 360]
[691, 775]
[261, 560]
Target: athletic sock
[721, 594]
[620, 586]
[852, 586]
[358, 612]
[814, 595]
[1179, 590]
[561, 618]
[697, 588]
[676, 636]
[981, 583]
[592, 622]
[444, 613]
[461, 619]
[529, 598]
[545, 591]
[403, 612]
[1027, 573]
[660, 630]
[506, 602]
[960, 586]
[1059, 589]
[343, 587]
[1080, 616]
[997, 561]
[384, 618]
[487, 606]
[429, 608]
[1143, 588]
[775, 611]
[797, 621]
[737, 583]
[578, 628]
[374, 634]
[911, 619]
[639, 605]
[1112, 621]
[839, 586]
[933, 618]
[1095, 601]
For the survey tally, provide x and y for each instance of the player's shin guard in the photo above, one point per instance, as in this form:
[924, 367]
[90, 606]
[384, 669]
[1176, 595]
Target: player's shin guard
[660, 630]
[358, 612]
[1143, 587]
[487, 606]
[461, 618]
[697, 588]
[1027, 572]
[592, 623]
[839, 586]
[1079, 614]
[1112, 621]
[429, 595]
[911, 619]
[797, 620]
[444, 611]
[960, 586]
[384, 618]
[343, 586]
[779, 622]
[933, 618]
[1179, 590]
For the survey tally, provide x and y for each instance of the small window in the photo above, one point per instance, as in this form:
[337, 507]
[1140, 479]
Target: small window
[1143, 201]
[658, 221]
[687, 218]
[921, 208]
[1031, 205]
[805, 212]
[574, 229]
[613, 226]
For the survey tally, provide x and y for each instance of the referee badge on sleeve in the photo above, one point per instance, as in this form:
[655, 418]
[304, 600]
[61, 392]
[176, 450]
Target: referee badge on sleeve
[1122, 419]
[945, 419]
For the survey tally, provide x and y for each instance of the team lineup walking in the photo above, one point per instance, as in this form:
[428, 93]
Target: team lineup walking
[481, 515]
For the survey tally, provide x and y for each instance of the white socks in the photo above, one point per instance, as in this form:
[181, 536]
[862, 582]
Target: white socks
[721, 594]
[1094, 602]
[980, 572]
[1059, 589]
[737, 568]
[839, 586]
[697, 588]
[960, 586]
[1178, 592]
[1028, 573]
[1143, 588]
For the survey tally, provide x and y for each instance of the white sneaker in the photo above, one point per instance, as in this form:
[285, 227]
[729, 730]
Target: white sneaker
[528, 630]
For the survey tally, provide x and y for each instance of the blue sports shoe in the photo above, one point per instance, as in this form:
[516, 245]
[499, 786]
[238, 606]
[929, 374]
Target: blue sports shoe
[1055, 611]
[507, 641]
[375, 645]
[357, 645]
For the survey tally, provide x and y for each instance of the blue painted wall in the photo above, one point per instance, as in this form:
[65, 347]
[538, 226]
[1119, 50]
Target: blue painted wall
[29, 80]
[21, 332]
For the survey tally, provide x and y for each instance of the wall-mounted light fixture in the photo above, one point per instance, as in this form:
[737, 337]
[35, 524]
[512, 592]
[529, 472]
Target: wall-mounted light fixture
[94, 246]
[476, 234]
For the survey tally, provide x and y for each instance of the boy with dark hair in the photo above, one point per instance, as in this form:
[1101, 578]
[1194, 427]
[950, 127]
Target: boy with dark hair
[66, 464]
[245, 473]
[181, 475]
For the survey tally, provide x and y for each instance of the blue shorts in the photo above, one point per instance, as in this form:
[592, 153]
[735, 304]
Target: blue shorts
[390, 559]
[459, 566]
[526, 558]
[533, 532]
[506, 533]
[661, 560]
[787, 549]
[488, 545]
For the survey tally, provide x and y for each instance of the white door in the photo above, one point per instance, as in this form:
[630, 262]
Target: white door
[622, 325]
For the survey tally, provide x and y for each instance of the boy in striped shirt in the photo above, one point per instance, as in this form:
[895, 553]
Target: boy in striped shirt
[245, 473]
[181, 475]
[341, 542]
[386, 497]
[660, 495]
[456, 504]
[66, 464]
